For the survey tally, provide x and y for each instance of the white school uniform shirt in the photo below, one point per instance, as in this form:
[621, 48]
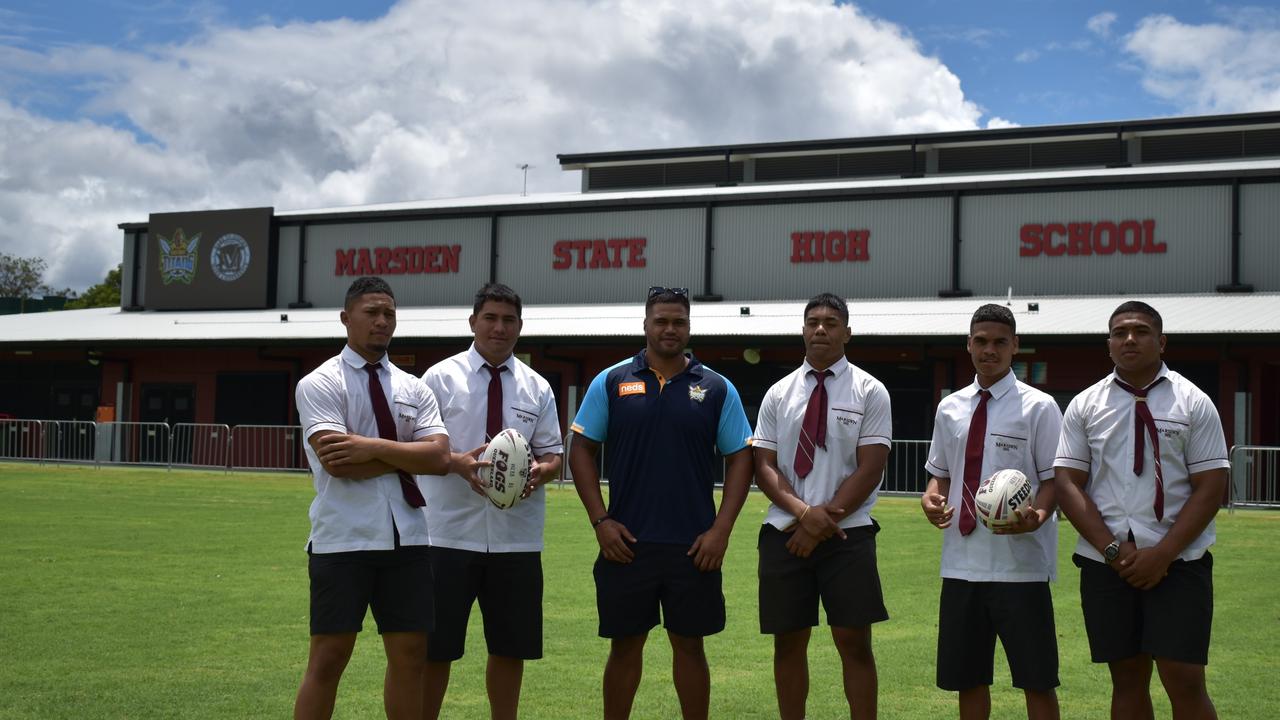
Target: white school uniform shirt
[1022, 434]
[858, 414]
[358, 514]
[457, 516]
[1097, 437]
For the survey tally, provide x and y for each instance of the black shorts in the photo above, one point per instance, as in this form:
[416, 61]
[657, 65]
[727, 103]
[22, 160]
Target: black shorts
[509, 587]
[841, 572]
[395, 583]
[1171, 620]
[628, 595]
[970, 617]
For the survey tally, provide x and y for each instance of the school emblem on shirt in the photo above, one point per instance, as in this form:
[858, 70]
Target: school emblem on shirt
[697, 392]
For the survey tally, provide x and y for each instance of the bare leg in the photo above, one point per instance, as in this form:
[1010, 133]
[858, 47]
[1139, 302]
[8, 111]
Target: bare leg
[1188, 695]
[1131, 688]
[502, 679]
[791, 673]
[435, 681]
[326, 660]
[692, 678]
[402, 688]
[622, 675]
[859, 663]
[1042, 704]
[975, 703]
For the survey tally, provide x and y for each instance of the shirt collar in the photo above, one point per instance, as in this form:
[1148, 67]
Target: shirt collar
[838, 368]
[477, 362]
[1163, 372]
[694, 367]
[352, 358]
[999, 388]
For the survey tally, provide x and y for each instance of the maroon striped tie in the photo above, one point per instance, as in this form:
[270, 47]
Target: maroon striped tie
[1144, 424]
[387, 431]
[813, 431]
[973, 462]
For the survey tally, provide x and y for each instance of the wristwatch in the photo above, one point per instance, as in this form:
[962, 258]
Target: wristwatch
[1111, 552]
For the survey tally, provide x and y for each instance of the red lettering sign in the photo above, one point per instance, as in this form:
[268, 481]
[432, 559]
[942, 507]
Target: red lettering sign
[402, 260]
[598, 254]
[1104, 237]
[811, 246]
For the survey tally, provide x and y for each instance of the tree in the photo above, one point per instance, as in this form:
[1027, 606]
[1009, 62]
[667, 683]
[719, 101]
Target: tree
[104, 294]
[21, 277]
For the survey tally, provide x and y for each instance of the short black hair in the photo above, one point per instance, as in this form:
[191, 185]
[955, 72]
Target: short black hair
[367, 286]
[829, 300]
[1137, 306]
[497, 292]
[666, 295]
[994, 313]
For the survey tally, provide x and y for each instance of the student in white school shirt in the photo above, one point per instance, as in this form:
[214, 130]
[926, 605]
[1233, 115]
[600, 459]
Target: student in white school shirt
[819, 451]
[369, 427]
[478, 551]
[1141, 470]
[995, 584]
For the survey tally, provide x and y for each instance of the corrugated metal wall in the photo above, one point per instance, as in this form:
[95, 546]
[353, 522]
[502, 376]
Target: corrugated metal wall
[287, 266]
[325, 289]
[1193, 222]
[1260, 236]
[908, 249]
[673, 255]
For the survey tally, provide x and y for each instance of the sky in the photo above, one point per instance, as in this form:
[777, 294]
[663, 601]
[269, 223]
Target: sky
[114, 109]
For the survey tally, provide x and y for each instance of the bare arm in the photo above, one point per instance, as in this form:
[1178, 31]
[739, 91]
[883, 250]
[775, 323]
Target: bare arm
[816, 520]
[1146, 567]
[427, 456]
[545, 469]
[855, 489]
[1079, 508]
[347, 471]
[612, 535]
[708, 549]
[934, 502]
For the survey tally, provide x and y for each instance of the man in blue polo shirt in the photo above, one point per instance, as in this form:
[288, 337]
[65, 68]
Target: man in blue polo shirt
[664, 415]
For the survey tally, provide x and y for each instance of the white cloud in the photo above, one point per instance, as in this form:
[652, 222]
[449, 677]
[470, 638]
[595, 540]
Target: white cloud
[1209, 68]
[996, 122]
[1027, 56]
[1101, 23]
[436, 99]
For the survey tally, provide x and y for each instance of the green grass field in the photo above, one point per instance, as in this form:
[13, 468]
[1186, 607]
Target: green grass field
[138, 593]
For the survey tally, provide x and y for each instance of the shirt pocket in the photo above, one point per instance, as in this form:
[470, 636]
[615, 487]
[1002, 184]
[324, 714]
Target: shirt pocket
[844, 424]
[524, 418]
[405, 410]
[1006, 448]
[1173, 427]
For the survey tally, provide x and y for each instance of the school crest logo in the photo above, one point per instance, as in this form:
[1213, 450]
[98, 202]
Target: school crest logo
[697, 392]
[178, 257]
[229, 257]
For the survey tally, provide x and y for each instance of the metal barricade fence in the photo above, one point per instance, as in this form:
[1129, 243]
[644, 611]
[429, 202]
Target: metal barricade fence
[199, 445]
[70, 440]
[904, 470]
[268, 447]
[132, 443]
[21, 439]
[1255, 476]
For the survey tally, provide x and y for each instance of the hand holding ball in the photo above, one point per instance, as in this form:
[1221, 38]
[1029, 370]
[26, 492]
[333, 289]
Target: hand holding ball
[1000, 498]
[509, 460]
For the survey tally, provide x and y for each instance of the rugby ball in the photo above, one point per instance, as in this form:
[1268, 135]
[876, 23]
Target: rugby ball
[1000, 497]
[508, 470]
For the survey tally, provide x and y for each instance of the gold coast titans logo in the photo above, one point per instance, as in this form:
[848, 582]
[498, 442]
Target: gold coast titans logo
[178, 257]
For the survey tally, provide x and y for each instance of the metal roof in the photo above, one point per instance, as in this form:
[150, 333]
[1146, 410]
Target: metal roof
[1254, 314]
[1047, 133]
[983, 182]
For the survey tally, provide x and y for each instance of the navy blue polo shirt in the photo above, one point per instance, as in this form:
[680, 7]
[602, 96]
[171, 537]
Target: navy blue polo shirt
[661, 437]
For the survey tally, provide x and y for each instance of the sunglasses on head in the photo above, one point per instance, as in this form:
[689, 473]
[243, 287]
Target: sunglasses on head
[659, 290]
